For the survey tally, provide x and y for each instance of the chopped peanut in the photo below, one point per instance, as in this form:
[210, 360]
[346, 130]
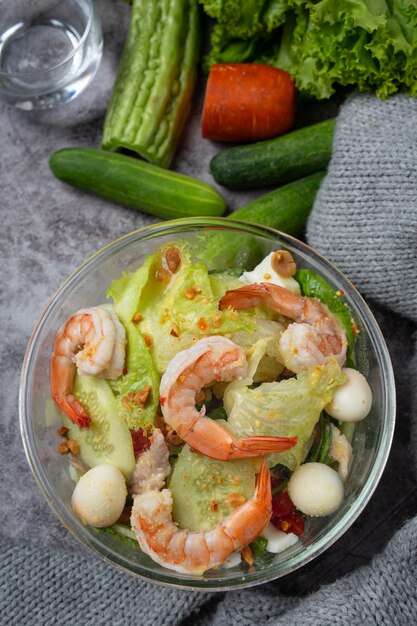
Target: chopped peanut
[138, 398]
[170, 436]
[126, 404]
[173, 259]
[191, 292]
[285, 525]
[202, 324]
[148, 340]
[217, 320]
[73, 446]
[63, 431]
[235, 499]
[163, 276]
[283, 263]
[63, 448]
[174, 330]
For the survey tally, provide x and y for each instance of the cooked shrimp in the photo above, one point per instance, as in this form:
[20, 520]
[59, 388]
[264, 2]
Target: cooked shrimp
[208, 360]
[117, 359]
[314, 338]
[152, 466]
[194, 552]
[93, 341]
[341, 451]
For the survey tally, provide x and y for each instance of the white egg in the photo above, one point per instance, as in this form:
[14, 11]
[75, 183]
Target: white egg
[277, 539]
[316, 489]
[100, 495]
[351, 401]
[265, 273]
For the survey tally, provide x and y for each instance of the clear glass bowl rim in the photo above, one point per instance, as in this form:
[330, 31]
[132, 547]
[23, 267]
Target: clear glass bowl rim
[51, 68]
[272, 572]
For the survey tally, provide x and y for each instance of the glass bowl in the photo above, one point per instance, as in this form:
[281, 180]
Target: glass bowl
[226, 242]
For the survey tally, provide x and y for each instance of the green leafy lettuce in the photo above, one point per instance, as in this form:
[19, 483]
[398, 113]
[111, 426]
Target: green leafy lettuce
[322, 43]
[141, 371]
[284, 409]
[176, 312]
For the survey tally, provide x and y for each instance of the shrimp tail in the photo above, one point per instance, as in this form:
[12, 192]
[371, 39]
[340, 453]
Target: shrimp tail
[61, 380]
[76, 412]
[73, 409]
[258, 445]
[263, 491]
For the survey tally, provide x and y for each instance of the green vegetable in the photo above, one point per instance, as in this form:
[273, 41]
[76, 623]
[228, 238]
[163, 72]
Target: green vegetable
[320, 452]
[348, 430]
[176, 311]
[123, 534]
[315, 286]
[284, 409]
[136, 184]
[285, 209]
[275, 161]
[217, 414]
[258, 546]
[262, 347]
[201, 488]
[245, 19]
[108, 439]
[141, 371]
[152, 95]
[371, 45]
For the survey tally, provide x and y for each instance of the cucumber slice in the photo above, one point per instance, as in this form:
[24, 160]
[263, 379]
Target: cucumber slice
[205, 491]
[108, 439]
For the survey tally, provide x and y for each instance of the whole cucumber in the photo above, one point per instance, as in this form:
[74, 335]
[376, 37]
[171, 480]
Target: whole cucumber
[136, 184]
[275, 161]
[152, 94]
[285, 209]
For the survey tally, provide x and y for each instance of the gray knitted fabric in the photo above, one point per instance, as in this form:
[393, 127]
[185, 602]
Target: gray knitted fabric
[49, 587]
[365, 217]
[369, 575]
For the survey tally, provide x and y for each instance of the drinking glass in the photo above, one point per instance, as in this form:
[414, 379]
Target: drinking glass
[49, 51]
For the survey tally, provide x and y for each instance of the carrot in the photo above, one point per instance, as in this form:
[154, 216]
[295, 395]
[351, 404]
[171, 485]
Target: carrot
[247, 102]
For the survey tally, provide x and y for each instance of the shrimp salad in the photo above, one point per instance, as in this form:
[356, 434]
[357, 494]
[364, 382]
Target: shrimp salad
[208, 414]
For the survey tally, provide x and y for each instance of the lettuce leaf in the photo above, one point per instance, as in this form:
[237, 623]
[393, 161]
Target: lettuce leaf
[324, 43]
[141, 372]
[176, 312]
[245, 19]
[285, 409]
